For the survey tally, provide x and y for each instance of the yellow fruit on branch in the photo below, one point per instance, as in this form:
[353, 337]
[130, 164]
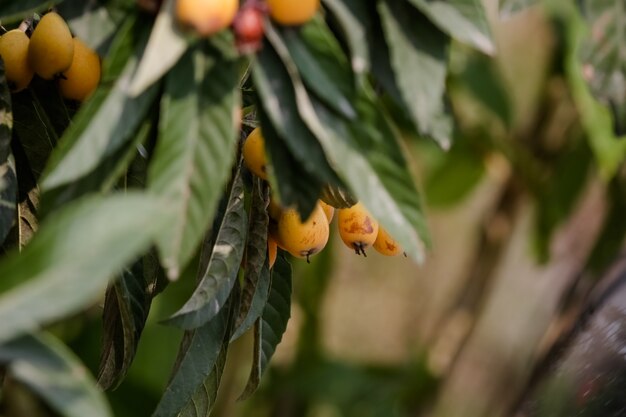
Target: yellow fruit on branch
[272, 250]
[303, 239]
[14, 52]
[386, 244]
[357, 228]
[206, 16]
[292, 12]
[51, 48]
[254, 154]
[83, 76]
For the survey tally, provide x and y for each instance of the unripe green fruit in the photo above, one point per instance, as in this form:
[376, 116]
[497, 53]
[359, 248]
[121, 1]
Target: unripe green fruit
[14, 52]
[51, 48]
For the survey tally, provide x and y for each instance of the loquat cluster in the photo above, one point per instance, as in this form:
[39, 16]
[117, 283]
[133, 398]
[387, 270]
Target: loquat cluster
[303, 238]
[53, 54]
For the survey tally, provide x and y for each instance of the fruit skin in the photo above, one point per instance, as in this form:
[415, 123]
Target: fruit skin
[83, 76]
[14, 52]
[385, 244]
[292, 12]
[206, 16]
[248, 27]
[357, 228]
[254, 154]
[51, 48]
[303, 239]
[272, 250]
[329, 210]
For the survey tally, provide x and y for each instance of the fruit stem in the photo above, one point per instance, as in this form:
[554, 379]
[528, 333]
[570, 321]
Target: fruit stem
[359, 249]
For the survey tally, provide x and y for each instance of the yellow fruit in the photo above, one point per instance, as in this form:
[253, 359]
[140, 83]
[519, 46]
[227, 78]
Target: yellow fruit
[206, 16]
[14, 52]
[292, 12]
[329, 210]
[357, 228]
[51, 48]
[272, 250]
[303, 239]
[83, 76]
[386, 244]
[254, 154]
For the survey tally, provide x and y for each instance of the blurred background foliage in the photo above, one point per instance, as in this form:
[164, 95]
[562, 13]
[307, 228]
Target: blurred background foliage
[527, 216]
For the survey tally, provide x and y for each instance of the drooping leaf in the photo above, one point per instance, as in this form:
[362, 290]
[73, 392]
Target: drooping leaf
[165, 47]
[8, 177]
[367, 156]
[73, 256]
[94, 22]
[126, 307]
[14, 11]
[50, 369]
[354, 20]
[256, 279]
[323, 65]
[603, 56]
[109, 118]
[217, 282]
[198, 365]
[463, 20]
[278, 101]
[195, 149]
[415, 44]
[271, 326]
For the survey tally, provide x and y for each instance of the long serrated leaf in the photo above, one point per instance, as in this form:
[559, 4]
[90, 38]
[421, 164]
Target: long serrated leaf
[463, 20]
[8, 177]
[256, 277]
[217, 282]
[126, 308]
[198, 357]
[164, 49]
[270, 328]
[49, 368]
[368, 158]
[195, 149]
[108, 119]
[415, 44]
[323, 66]
[73, 256]
[277, 99]
[354, 20]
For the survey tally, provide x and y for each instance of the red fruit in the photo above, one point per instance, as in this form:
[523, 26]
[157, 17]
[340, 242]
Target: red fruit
[249, 28]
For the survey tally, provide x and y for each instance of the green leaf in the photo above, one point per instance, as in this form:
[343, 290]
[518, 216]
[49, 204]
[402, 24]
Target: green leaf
[108, 119]
[269, 329]
[509, 7]
[195, 149]
[367, 156]
[94, 22]
[217, 282]
[50, 369]
[595, 118]
[256, 279]
[415, 44]
[8, 177]
[14, 11]
[198, 364]
[355, 22]
[603, 56]
[165, 47]
[463, 20]
[72, 257]
[322, 65]
[126, 307]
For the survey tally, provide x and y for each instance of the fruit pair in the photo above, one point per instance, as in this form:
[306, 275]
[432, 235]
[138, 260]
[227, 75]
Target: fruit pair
[207, 17]
[359, 230]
